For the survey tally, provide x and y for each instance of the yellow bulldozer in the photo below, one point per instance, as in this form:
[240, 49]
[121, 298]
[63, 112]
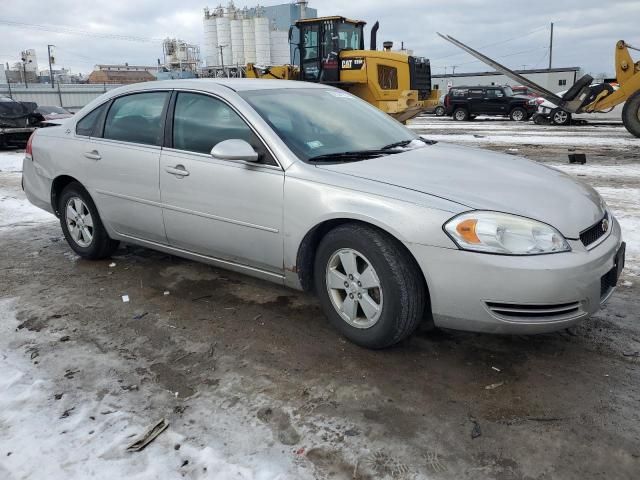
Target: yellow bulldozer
[331, 50]
[585, 96]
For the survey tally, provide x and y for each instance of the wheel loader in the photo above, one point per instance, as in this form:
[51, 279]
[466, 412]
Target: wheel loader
[331, 50]
[584, 96]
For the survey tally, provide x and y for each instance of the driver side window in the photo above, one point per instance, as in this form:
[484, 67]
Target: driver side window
[200, 122]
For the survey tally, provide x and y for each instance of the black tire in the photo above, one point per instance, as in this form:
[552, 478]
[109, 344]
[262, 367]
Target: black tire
[518, 114]
[460, 114]
[439, 111]
[402, 285]
[560, 117]
[631, 114]
[100, 246]
[539, 119]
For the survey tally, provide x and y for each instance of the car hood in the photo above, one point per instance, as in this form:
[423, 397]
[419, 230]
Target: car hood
[485, 180]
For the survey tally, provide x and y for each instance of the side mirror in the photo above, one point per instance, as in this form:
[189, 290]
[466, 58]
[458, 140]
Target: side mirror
[234, 149]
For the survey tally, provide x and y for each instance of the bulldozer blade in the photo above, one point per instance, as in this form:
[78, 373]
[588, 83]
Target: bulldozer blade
[543, 92]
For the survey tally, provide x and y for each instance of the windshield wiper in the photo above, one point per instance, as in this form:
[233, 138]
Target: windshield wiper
[404, 143]
[346, 156]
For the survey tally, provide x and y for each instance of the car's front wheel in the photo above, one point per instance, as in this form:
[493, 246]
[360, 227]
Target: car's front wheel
[439, 111]
[81, 224]
[368, 286]
[560, 117]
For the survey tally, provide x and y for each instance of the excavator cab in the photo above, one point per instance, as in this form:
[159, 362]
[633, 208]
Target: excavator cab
[321, 41]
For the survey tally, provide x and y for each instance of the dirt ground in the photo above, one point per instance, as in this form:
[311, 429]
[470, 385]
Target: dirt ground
[255, 373]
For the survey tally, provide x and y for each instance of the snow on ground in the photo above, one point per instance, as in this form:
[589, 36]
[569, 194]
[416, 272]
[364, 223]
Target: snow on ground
[11, 161]
[84, 434]
[16, 210]
[526, 137]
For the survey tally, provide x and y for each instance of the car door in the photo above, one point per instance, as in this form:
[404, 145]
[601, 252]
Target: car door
[496, 102]
[226, 209]
[123, 164]
[475, 97]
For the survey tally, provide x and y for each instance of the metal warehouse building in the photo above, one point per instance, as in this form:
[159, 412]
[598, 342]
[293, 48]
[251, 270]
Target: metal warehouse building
[554, 79]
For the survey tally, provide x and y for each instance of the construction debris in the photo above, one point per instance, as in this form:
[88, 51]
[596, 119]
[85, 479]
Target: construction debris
[149, 436]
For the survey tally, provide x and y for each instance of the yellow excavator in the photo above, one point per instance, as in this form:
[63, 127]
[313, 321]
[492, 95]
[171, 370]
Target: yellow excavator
[584, 96]
[331, 50]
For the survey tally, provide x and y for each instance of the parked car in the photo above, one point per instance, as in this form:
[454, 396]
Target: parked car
[52, 112]
[550, 113]
[17, 121]
[438, 109]
[307, 186]
[524, 91]
[464, 103]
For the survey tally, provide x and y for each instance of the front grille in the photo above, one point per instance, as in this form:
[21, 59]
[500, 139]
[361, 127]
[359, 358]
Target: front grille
[595, 232]
[522, 311]
[420, 76]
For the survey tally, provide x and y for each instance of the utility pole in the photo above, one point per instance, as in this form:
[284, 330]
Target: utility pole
[551, 46]
[50, 71]
[24, 72]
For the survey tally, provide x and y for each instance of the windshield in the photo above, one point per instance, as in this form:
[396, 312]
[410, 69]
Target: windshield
[317, 122]
[349, 36]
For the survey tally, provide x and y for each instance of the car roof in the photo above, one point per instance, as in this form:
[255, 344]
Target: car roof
[214, 84]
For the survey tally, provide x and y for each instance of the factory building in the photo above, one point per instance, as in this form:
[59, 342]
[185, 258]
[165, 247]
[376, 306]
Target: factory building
[554, 79]
[260, 35]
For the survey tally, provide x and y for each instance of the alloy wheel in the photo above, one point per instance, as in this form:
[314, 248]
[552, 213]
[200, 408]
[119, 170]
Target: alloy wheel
[354, 288]
[560, 117]
[79, 221]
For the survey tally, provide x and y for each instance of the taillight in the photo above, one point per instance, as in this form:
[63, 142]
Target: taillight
[28, 152]
[446, 100]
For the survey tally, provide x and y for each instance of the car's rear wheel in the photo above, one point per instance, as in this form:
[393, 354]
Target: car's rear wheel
[81, 224]
[368, 286]
[460, 114]
[560, 117]
[631, 114]
[439, 111]
[518, 114]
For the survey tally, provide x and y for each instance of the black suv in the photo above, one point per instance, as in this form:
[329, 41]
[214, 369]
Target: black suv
[464, 103]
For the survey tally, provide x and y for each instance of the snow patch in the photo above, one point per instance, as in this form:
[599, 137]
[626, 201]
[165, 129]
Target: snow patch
[84, 433]
[11, 161]
[17, 211]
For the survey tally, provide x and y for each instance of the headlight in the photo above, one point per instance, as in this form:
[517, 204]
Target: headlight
[495, 232]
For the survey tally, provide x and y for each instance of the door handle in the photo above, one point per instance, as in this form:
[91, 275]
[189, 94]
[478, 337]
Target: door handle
[93, 155]
[178, 171]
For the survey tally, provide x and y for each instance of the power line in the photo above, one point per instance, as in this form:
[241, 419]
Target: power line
[74, 31]
[497, 43]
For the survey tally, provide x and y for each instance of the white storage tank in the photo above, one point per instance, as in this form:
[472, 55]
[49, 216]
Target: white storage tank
[237, 42]
[211, 53]
[223, 26]
[280, 52]
[249, 40]
[263, 41]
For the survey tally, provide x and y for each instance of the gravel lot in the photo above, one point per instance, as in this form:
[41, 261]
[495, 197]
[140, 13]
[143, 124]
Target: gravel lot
[256, 385]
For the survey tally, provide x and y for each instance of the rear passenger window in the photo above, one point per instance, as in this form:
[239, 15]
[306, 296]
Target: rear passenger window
[200, 122]
[88, 123]
[136, 118]
[476, 93]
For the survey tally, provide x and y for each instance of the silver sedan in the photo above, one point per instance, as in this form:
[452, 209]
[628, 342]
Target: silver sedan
[310, 187]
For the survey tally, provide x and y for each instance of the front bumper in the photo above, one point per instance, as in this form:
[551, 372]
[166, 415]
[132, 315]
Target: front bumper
[517, 294]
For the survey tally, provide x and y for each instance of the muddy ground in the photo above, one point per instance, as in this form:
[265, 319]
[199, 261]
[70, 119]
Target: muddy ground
[255, 371]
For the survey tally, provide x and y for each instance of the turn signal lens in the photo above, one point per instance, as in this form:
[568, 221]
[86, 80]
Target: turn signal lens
[467, 230]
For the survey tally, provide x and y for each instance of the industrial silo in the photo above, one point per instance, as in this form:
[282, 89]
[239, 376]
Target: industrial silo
[263, 41]
[280, 51]
[249, 40]
[211, 53]
[223, 26]
[237, 41]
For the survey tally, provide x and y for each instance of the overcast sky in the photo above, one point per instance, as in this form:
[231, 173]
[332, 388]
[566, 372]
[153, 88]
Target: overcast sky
[515, 32]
